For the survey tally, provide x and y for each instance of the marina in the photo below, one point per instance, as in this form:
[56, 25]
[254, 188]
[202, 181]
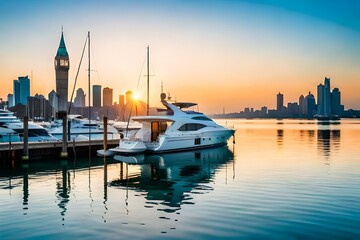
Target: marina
[242, 123]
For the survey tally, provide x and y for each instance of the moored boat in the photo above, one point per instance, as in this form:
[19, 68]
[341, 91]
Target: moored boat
[177, 130]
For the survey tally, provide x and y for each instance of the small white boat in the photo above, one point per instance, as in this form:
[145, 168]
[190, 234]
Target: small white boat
[12, 129]
[79, 129]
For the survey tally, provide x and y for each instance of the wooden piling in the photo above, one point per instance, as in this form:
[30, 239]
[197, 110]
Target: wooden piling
[105, 132]
[64, 153]
[26, 139]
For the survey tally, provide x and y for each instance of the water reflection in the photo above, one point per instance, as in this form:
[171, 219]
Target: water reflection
[25, 188]
[328, 139]
[280, 137]
[63, 189]
[170, 179]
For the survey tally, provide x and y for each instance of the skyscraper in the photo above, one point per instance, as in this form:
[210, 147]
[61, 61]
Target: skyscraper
[336, 108]
[16, 92]
[309, 105]
[21, 90]
[279, 102]
[62, 66]
[79, 100]
[10, 99]
[129, 98]
[24, 89]
[324, 99]
[96, 95]
[107, 96]
[54, 102]
[301, 105]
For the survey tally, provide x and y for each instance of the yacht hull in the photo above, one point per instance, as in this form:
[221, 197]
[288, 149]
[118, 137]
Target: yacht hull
[191, 142]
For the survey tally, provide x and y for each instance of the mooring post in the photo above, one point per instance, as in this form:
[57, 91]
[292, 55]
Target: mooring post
[105, 133]
[68, 133]
[26, 139]
[64, 153]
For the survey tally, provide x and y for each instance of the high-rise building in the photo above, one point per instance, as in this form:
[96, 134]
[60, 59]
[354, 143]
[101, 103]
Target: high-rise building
[24, 89]
[293, 109]
[279, 101]
[62, 66]
[16, 92]
[54, 102]
[129, 98]
[96, 95]
[79, 100]
[38, 108]
[121, 101]
[309, 105]
[336, 108]
[324, 99]
[10, 99]
[301, 105]
[107, 96]
[21, 90]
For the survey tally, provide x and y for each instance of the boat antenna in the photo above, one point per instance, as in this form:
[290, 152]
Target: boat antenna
[77, 74]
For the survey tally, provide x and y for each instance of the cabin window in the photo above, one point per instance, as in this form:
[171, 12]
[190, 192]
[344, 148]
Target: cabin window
[154, 131]
[197, 141]
[157, 128]
[191, 127]
[202, 118]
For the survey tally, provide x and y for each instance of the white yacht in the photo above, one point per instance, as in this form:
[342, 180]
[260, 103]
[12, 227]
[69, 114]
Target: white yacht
[79, 129]
[12, 129]
[178, 130]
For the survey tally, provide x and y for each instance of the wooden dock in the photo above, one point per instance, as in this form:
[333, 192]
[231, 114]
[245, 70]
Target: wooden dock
[48, 150]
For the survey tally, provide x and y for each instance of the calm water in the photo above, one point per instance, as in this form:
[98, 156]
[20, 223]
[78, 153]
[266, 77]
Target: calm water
[282, 179]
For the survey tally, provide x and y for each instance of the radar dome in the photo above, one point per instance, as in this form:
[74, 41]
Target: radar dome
[162, 96]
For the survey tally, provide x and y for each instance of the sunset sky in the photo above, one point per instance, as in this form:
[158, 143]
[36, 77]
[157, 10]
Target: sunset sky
[220, 54]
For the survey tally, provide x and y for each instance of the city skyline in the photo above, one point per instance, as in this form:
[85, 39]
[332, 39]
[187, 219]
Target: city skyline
[227, 49]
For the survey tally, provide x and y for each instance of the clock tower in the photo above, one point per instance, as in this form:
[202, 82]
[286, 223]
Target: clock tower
[62, 74]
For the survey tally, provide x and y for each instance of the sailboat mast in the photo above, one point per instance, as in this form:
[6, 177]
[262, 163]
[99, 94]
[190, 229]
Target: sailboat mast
[148, 77]
[89, 86]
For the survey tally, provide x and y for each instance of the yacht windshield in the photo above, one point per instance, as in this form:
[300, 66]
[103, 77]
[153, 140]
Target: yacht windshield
[202, 118]
[191, 127]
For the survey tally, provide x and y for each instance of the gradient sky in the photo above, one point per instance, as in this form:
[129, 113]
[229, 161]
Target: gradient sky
[220, 54]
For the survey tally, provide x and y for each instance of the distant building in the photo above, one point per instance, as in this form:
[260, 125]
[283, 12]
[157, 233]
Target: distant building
[336, 107]
[324, 99]
[62, 66]
[301, 105]
[263, 111]
[279, 102]
[96, 96]
[293, 109]
[310, 105]
[38, 108]
[129, 98]
[54, 102]
[107, 96]
[24, 89]
[21, 90]
[16, 87]
[10, 99]
[79, 100]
